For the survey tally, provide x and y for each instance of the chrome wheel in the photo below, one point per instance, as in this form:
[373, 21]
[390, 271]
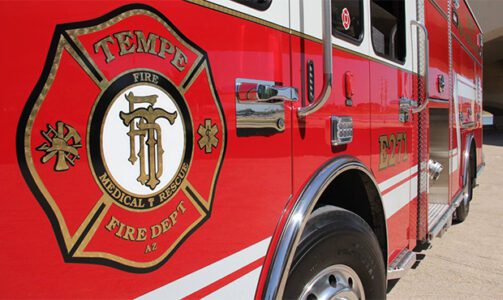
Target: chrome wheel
[334, 282]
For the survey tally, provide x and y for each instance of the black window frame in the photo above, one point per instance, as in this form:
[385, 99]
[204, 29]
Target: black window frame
[345, 37]
[389, 58]
[261, 5]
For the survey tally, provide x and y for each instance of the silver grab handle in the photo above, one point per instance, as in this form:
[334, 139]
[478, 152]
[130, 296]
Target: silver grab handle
[327, 62]
[426, 63]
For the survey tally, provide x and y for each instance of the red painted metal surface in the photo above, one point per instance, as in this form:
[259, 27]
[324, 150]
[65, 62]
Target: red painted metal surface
[260, 176]
[35, 260]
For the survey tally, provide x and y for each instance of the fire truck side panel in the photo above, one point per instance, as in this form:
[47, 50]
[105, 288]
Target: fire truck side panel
[436, 22]
[467, 94]
[260, 174]
[392, 140]
[307, 159]
[253, 185]
[466, 30]
[389, 81]
[478, 117]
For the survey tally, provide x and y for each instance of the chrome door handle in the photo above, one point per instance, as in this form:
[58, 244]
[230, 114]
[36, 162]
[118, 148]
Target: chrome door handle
[264, 92]
[260, 106]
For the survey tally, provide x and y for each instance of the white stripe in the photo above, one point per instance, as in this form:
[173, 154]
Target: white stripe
[453, 160]
[467, 91]
[243, 288]
[456, 118]
[454, 164]
[209, 274]
[399, 197]
[397, 178]
[466, 80]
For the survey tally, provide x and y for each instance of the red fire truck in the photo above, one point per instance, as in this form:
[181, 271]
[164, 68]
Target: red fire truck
[233, 148]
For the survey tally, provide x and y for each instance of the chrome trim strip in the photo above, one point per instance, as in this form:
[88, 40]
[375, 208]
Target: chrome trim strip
[468, 124]
[292, 230]
[437, 100]
[439, 9]
[327, 63]
[466, 157]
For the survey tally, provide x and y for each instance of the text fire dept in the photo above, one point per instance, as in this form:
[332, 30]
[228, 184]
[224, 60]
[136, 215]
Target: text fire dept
[130, 233]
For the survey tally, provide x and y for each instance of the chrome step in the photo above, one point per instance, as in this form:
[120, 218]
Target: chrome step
[402, 263]
[445, 219]
[435, 213]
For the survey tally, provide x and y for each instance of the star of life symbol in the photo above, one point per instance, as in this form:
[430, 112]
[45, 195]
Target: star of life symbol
[208, 133]
[142, 126]
[62, 142]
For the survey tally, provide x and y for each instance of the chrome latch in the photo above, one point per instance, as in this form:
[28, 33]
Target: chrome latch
[440, 83]
[260, 106]
[341, 130]
[406, 106]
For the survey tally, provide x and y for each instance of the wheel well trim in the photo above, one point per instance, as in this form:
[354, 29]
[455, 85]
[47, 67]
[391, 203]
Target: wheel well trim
[291, 232]
[470, 140]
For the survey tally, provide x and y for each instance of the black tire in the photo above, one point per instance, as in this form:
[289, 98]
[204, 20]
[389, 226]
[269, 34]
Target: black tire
[464, 207]
[335, 236]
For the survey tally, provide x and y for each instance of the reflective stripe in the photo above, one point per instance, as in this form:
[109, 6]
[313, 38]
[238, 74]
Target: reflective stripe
[242, 288]
[454, 163]
[383, 186]
[466, 90]
[399, 197]
[201, 278]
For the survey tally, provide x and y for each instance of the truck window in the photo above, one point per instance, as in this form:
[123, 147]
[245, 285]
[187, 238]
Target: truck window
[257, 4]
[388, 29]
[347, 20]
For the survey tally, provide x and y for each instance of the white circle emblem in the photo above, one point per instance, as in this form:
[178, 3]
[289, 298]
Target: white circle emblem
[144, 155]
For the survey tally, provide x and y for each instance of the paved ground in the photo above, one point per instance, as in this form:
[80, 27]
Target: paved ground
[467, 262]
